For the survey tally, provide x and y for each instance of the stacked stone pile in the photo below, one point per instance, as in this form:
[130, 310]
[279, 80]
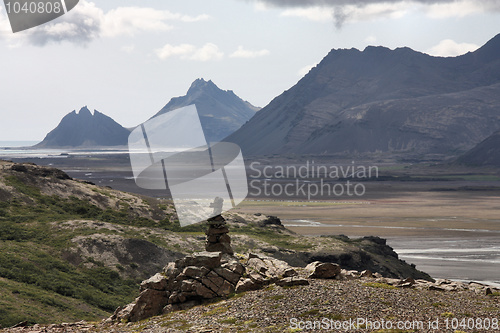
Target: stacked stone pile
[218, 239]
[203, 276]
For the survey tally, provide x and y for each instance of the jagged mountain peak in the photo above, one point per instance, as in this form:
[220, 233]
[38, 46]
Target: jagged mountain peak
[85, 129]
[221, 111]
[85, 112]
[199, 84]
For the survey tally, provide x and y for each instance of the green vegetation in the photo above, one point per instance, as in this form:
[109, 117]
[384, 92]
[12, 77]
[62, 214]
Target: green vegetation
[228, 320]
[438, 304]
[37, 284]
[276, 297]
[42, 278]
[379, 285]
[272, 236]
[310, 313]
[216, 311]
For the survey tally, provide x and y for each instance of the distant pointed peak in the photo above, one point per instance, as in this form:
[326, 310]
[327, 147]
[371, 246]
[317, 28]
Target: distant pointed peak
[84, 111]
[200, 84]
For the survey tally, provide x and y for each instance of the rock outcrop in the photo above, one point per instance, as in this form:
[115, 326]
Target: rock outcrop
[204, 276]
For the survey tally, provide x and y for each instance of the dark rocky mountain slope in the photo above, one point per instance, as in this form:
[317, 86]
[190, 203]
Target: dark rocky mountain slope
[382, 100]
[84, 129]
[221, 111]
[486, 153]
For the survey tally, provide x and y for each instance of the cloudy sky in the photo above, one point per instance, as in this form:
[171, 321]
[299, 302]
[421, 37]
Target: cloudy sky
[127, 58]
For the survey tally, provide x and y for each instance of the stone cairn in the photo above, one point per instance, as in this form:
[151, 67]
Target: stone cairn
[218, 239]
[205, 276]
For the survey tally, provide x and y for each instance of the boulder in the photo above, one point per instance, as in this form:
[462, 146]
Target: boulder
[349, 275]
[292, 281]
[246, 285]
[271, 269]
[366, 274]
[149, 303]
[156, 282]
[323, 270]
[205, 259]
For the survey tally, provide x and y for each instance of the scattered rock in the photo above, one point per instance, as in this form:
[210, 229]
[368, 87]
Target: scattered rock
[270, 221]
[208, 260]
[202, 276]
[156, 282]
[246, 285]
[323, 270]
[292, 281]
[366, 274]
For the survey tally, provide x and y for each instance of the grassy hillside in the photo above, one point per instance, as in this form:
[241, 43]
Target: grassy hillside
[71, 250]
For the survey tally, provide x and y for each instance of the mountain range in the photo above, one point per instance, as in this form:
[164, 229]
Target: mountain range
[382, 100]
[221, 113]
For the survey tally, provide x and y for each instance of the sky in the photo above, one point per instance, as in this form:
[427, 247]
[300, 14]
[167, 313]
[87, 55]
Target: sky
[128, 58]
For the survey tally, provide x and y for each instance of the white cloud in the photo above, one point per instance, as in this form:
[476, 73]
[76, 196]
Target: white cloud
[131, 20]
[128, 48]
[80, 26]
[341, 11]
[349, 13]
[460, 8]
[318, 14]
[242, 53]
[450, 48]
[171, 51]
[207, 52]
[5, 30]
[371, 39]
[261, 7]
[87, 22]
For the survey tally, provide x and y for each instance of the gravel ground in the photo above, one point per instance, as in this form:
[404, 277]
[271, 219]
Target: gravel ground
[330, 302]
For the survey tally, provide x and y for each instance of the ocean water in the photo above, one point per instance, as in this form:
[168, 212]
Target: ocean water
[17, 144]
[22, 149]
[474, 258]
